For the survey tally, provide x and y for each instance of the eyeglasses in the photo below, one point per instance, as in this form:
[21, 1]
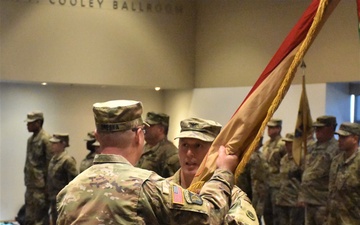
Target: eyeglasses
[135, 129]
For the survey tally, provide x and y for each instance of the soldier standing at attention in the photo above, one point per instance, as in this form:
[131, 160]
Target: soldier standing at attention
[113, 191]
[88, 160]
[160, 155]
[290, 213]
[195, 139]
[62, 169]
[344, 187]
[314, 190]
[273, 151]
[38, 155]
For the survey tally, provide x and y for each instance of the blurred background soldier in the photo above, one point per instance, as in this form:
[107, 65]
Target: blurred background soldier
[290, 213]
[38, 155]
[160, 155]
[314, 191]
[253, 180]
[62, 169]
[273, 151]
[344, 187]
[88, 160]
[113, 191]
[195, 139]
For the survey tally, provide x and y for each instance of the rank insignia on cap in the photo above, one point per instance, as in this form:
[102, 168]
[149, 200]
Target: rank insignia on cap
[250, 215]
[193, 198]
[177, 195]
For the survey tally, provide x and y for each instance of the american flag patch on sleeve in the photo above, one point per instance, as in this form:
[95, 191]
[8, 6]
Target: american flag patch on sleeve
[177, 195]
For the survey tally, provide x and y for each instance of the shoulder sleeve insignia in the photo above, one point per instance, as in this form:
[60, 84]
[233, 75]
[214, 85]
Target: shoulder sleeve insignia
[177, 195]
[165, 188]
[192, 198]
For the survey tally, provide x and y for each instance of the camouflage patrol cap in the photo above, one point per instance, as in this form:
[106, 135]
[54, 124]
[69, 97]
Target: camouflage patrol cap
[117, 115]
[90, 136]
[153, 118]
[205, 130]
[60, 137]
[274, 123]
[33, 116]
[323, 121]
[289, 137]
[347, 129]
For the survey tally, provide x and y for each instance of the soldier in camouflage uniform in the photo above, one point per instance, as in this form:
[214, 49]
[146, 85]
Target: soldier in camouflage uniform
[314, 188]
[195, 139]
[62, 169]
[273, 151]
[290, 213]
[113, 191]
[88, 160]
[344, 186]
[38, 155]
[253, 180]
[160, 155]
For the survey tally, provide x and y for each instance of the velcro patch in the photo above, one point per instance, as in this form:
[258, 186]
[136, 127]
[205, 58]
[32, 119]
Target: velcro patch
[193, 198]
[177, 195]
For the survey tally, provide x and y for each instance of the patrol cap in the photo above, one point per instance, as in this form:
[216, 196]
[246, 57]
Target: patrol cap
[323, 121]
[289, 137]
[33, 116]
[117, 115]
[274, 123]
[60, 137]
[90, 136]
[205, 130]
[153, 118]
[347, 129]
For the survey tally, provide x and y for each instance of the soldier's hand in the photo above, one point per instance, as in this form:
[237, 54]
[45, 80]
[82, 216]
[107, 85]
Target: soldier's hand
[225, 161]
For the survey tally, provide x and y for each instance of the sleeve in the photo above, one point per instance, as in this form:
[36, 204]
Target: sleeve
[169, 203]
[70, 167]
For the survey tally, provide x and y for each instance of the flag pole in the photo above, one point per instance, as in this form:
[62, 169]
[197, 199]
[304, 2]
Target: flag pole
[305, 114]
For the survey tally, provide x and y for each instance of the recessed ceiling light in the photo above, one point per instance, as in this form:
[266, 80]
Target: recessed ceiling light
[44, 83]
[157, 88]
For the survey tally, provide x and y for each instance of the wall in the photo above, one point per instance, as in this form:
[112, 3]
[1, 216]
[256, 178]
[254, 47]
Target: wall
[98, 45]
[236, 39]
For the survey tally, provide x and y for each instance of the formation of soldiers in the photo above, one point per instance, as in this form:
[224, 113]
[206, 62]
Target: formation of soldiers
[323, 189]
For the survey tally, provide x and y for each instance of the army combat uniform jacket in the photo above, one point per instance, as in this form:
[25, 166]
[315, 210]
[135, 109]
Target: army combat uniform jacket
[112, 191]
[87, 162]
[344, 187]
[241, 211]
[162, 158]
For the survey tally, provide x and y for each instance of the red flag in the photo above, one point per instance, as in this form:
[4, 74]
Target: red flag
[242, 133]
[303, 128]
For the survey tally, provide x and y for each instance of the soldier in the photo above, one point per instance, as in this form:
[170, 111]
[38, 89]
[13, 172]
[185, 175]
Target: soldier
[62, 169]
[38, 155]
[344, 186]
[88, 160]
[160, 155]
[253, 180]
[314, 191]
[290, 213]
[113, 191]
[195, 139]
[273, 151]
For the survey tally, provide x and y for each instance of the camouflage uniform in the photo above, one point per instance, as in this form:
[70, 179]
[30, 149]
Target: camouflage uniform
[252, 181]
[314, 188]
[273, 151]
[87, 161]
[112, 191]
[161, 158]
[241, 211]
[287, 199]
[38, 155]
[344, 184]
